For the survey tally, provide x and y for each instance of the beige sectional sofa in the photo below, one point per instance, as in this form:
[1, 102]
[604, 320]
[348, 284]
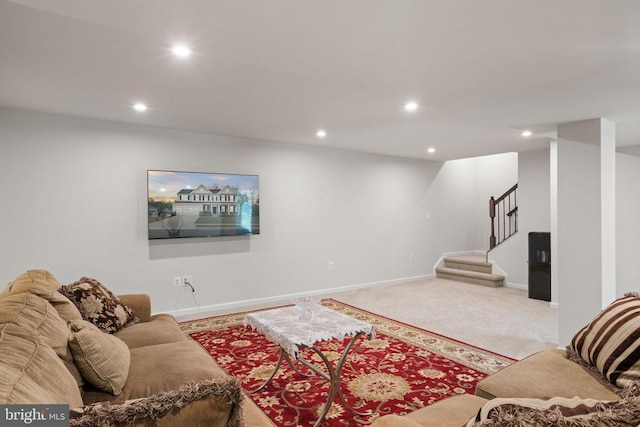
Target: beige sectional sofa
[169, 381]
[598, 373]
[542, 375]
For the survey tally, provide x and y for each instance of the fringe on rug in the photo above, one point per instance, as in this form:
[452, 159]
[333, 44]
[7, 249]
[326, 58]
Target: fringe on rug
[153, 407]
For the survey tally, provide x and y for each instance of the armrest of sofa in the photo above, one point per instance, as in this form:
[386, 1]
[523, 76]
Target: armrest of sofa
[139, 303]
[215, 403]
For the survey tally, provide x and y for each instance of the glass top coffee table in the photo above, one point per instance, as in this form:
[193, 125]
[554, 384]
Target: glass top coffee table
[293, 328]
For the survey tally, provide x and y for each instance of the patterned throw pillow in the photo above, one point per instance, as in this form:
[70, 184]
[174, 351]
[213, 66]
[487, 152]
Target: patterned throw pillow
[611, 342]
[98, 305]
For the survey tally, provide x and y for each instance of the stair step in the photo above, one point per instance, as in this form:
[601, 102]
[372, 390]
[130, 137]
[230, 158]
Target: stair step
[467, 276]
[468, 264]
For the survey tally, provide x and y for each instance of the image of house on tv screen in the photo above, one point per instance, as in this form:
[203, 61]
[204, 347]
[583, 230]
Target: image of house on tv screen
[195, 204]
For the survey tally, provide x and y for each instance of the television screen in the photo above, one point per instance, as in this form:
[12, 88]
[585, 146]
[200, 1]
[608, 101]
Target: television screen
[196, 204]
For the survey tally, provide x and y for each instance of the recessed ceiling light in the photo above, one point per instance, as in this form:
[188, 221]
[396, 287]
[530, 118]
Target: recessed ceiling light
[526, 133]
[181, 51]
[431, 150]
[139, 106]
[411, 106]
[321, 133]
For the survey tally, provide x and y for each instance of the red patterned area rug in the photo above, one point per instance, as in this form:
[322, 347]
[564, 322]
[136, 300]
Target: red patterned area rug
[402, 369]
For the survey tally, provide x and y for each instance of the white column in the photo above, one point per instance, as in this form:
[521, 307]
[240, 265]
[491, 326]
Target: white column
[608, 195]
[584, 241]
[553, 205]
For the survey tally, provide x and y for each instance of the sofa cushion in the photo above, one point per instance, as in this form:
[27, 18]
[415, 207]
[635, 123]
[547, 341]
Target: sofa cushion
[253, 415]
[396, 421]
[43, 284]
[98, 305]
[543, 375]
[160, 368]
[34, 313]
[454, 412]
[162, 329]
[611, 341]
[557, 411]
[102, 358]
[31, 371]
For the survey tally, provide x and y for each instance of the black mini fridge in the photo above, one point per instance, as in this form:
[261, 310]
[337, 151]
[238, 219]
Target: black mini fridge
[540, 266]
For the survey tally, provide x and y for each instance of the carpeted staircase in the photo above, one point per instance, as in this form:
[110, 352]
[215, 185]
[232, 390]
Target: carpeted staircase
[469, 269]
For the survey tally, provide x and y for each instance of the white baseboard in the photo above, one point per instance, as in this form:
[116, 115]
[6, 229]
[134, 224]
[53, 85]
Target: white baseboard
[553, 305]
[517, 286]
[261, 303]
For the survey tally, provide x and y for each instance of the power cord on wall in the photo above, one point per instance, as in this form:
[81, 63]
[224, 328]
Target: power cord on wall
[186, 283]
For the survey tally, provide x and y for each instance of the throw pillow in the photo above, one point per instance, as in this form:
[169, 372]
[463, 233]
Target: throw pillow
[98, 305]
[44, 284]
[34, 314]
[611, 341]
[557, 411]
[103, 360]
[31, 372]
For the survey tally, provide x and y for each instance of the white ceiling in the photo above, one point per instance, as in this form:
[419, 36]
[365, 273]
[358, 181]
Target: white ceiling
[279, 70]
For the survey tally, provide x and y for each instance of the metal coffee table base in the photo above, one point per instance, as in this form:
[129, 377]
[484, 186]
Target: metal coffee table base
[331, 375]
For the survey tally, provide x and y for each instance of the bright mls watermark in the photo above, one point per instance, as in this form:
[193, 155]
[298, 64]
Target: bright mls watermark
[34, 415]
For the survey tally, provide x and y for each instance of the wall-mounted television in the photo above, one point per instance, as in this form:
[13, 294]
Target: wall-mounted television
[198, 204]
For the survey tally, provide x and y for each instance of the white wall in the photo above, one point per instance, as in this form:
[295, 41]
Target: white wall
[74, 202]
[627, 224]
[533, 215]
[494, 175]
[460, 199]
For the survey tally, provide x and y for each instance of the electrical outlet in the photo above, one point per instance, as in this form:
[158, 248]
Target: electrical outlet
[331, 266]
[177, 281]
[185, 280]
[411, 258]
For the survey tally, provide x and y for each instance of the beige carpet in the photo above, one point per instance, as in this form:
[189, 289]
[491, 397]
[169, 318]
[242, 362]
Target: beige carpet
[503, 320]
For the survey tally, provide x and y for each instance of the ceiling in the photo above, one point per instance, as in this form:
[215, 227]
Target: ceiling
[279, 70]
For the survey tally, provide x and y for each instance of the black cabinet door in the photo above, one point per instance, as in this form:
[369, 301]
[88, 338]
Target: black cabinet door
[540, 281]
[540, 266]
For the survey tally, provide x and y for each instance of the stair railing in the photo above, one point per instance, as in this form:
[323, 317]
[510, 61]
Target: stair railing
[503, 212]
